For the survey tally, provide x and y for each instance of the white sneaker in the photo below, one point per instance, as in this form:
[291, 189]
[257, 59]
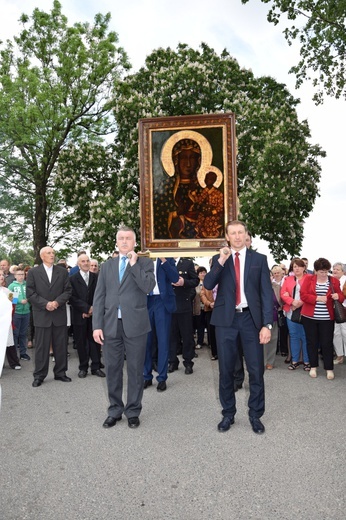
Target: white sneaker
[17, 367]
[198, 346]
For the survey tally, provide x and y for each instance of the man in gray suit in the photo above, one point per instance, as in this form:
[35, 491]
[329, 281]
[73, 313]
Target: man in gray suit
[48, 289]
[121, 323]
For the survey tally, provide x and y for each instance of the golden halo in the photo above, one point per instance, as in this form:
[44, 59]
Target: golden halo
[166, 153]
[202, 173]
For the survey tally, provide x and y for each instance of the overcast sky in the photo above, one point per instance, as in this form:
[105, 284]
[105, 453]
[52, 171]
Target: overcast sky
[144, 25]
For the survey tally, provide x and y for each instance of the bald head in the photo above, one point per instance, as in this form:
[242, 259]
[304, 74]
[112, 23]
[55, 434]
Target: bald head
[83, 262]
[47, 255]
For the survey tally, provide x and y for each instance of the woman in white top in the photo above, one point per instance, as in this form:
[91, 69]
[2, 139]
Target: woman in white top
[11, 351]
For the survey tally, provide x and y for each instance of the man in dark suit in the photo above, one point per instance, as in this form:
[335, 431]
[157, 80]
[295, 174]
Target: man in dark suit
[121, 321]
[161, 304]
[48, 289]
[83, 288]
[243, 307]
[182, 319]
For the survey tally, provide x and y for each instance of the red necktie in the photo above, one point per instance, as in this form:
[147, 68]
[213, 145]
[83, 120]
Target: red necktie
[237, 278]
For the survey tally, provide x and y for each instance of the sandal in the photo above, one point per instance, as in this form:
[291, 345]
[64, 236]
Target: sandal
[293, 366]
[307, 367]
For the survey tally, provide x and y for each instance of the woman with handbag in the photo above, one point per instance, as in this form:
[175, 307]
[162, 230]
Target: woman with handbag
[270, 348]
[282, 343]
[290, 294]
[318, 293]
[339, 272]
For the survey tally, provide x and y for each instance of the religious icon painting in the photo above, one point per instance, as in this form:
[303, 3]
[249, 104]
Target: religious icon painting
[188, 185]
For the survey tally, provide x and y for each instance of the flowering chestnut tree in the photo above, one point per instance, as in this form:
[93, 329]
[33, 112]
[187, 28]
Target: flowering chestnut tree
[278, 167]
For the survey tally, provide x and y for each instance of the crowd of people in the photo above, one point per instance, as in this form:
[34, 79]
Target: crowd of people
[154, 312]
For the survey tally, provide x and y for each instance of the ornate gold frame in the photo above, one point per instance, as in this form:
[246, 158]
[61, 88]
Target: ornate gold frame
[216, 142]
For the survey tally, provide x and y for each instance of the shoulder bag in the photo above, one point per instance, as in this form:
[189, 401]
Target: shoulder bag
[296, 314]
[339, 309]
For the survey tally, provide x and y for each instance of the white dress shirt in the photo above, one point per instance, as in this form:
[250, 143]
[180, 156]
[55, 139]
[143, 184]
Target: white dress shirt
[49, 271]
[242, 256]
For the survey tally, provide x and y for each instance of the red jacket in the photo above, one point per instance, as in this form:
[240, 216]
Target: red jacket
[288, 286]
[308, 295]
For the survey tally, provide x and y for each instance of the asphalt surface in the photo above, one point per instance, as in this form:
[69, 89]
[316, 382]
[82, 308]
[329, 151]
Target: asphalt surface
[57, 461]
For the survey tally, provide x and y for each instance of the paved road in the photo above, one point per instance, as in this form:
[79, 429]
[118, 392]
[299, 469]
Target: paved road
[58, 462]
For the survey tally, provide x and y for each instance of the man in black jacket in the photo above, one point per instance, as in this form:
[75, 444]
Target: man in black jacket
[83, 288]
[182, 319]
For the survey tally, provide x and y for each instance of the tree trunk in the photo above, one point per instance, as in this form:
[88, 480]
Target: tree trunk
[40, 236]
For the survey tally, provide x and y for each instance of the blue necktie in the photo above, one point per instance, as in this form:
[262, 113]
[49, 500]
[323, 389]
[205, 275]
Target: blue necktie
[122, 267]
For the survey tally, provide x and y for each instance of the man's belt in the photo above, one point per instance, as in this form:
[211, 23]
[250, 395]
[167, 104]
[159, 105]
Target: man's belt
[242, 309]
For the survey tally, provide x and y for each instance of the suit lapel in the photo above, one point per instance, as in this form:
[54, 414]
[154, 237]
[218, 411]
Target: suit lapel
[81, 281]
[248, 260]
[43, 274]
[115, 269]
[231, 268]
[55, 274]
[92, 280]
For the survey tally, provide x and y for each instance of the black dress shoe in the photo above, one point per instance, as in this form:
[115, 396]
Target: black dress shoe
[98, 373]
[188, 370]
[102, 365]
[257, 426]
[172, 368]
[111, 421]
[133, 422]
[161, 386]
[147, 382]
[237, 387]
[36, 383]
[154, 366]
[225, 424]
[64, 379]
[82, 374]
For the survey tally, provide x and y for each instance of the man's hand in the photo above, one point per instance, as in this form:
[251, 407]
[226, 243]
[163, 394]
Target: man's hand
[52, 306]
[180, 282]
[98, 336]
[132, 256]
[225, 253]
[264, 336]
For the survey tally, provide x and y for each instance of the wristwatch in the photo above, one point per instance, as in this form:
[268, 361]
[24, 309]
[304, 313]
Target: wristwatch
[268, 326]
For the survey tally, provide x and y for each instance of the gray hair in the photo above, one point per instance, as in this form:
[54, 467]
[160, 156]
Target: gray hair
[343, 266]
[126, 228]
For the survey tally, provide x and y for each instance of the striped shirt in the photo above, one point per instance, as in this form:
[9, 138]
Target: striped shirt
[321, 310]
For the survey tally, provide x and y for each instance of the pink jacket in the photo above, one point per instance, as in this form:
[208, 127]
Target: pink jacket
[288, 286]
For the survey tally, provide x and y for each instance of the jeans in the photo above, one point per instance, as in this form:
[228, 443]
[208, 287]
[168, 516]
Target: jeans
[297, 341]
[20, 331]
